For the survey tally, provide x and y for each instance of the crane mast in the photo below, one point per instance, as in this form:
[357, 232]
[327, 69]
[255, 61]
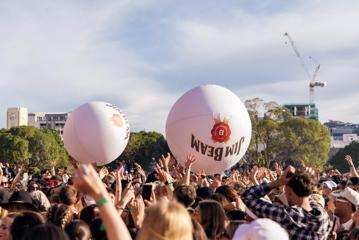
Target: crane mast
[312, 82]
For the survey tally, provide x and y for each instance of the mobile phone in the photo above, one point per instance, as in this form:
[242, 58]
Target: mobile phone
[124, 183]
[146, 191]
[289, 175]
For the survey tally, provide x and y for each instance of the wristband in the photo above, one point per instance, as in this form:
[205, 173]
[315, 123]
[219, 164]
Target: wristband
[102, 202]
[102, 227]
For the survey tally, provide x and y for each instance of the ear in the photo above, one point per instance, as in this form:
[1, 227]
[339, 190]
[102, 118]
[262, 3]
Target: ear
[288, 191]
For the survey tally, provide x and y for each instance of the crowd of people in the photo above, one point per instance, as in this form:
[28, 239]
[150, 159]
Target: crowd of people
[174, 203]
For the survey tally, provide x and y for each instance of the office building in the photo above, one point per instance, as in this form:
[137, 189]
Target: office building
[16, 116]
[304, 110]
[50, 120]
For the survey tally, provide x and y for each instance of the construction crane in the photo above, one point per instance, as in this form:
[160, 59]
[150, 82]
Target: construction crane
[312, 78]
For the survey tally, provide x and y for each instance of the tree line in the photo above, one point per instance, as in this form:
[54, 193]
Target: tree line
[277, 136]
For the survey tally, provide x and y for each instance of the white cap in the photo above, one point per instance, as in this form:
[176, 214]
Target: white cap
[260, 229]
[330, 184]
[348, 194]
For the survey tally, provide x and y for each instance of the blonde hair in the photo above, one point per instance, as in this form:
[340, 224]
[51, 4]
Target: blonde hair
[166, 221]
[3, 213]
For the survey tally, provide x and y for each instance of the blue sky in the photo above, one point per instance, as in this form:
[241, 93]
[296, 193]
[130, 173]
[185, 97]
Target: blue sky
[143, 55]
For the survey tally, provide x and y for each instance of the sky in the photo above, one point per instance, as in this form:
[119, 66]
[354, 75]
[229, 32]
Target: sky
[143, 55]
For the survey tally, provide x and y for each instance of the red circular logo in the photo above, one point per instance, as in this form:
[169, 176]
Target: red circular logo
[221, 132]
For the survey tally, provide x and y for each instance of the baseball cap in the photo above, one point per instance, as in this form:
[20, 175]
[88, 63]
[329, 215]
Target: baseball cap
[260, 229]
[348, 194]
[330, 184]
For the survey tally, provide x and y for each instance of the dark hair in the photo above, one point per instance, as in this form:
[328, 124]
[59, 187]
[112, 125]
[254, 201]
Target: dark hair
[89, 213]
[25, 221]
[78, 230]
[301, 184]
[354, 234]
[185, 195]
[219, 198]
[198, 232]
[236, 215]
[60, 215]
[204, 192]
[213, 218]
[354, 180]
[46, 231]
[98, 232]
[229, 192]
[68, 195]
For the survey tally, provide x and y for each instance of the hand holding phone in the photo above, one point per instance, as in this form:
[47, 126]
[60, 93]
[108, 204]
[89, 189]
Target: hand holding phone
[147, 191]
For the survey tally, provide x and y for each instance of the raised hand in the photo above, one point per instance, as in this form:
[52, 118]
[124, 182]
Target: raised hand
[162, 174]
[166, 160]
[286, 176]
[189, 161]
[87, 181]
[278, 169]
[253, 175]
[103, 172]
[128, 195]
[138, 211]
[349, 160]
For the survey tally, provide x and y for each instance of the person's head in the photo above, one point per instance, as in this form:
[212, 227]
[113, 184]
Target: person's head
[185, 195]
[345, 202]
[89, 213]
[220, 198]
[236, 215]
[218, 176]
[166, 220]
[25, 221]
[4, 182]
[60, 215]
[78, 230]
[6, 224]
[68, 195]
[46, 231]
[262, 228]
[299, 186]
[33, 186]
[228, 192]
[204, 192]
[211, 215]
[98, 232]
[19, 201]
[108, 180]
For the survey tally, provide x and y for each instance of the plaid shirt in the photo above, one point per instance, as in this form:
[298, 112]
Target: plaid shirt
[299, 223]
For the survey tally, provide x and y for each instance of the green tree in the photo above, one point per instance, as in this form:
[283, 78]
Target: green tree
[278, 136]
[34, 147]
[143, 146]
[304, 140]
[266, 133]
[337, 161]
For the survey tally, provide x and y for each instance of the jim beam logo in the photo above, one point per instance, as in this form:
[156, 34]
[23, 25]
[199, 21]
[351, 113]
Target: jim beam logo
[221, 133]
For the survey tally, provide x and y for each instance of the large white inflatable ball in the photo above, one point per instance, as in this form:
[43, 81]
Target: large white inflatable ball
[96, 132]
[211, 123]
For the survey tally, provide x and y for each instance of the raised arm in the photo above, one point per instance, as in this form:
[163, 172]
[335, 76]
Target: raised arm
[353, 171]
[188, 165]
[87, 181]
[263, 209]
